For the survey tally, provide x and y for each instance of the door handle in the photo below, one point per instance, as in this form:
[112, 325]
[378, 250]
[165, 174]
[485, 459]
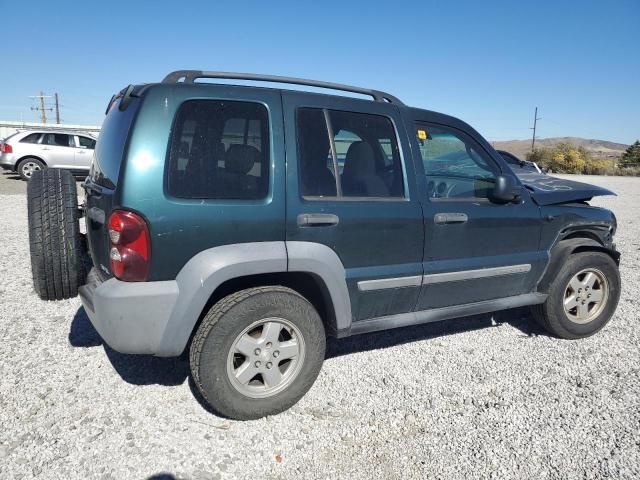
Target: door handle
[446, 218]
[317, 219]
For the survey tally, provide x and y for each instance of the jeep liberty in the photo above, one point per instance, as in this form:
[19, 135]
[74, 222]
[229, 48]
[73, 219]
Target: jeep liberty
[242, 225]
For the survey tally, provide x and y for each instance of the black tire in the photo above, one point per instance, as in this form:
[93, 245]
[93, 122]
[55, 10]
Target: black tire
[551, 314]
[224, 324]
[24, 172]
[57, 255]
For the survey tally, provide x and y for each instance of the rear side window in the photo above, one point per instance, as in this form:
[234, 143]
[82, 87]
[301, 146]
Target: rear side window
[219, 150]
[347, 154]
[31, 138]
[56, 139]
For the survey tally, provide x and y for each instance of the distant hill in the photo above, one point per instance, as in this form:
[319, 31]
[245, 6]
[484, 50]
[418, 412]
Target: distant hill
[598, 148]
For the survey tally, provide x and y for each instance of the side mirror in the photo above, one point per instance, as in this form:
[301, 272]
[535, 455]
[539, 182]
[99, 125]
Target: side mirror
[506, 189]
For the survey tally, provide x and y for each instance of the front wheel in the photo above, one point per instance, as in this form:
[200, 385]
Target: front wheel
[582, 298]
[257, 352]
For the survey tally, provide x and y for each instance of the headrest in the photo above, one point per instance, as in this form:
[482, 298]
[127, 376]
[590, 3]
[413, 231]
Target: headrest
[240, 159]
[359, 160]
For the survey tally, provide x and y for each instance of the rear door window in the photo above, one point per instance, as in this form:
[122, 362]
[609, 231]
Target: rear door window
[348, 154]
[219, 150]
[56, 139]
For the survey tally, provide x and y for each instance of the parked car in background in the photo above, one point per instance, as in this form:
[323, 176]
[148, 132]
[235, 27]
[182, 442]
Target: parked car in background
[28, 151]
[519, 166]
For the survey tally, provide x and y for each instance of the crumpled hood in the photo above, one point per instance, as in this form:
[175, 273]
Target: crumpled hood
[548, 190]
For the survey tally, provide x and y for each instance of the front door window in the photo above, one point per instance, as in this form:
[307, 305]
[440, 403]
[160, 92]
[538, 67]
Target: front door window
[454, 167]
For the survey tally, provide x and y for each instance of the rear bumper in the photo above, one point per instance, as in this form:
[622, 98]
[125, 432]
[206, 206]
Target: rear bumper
[7, 161]
[130, 317]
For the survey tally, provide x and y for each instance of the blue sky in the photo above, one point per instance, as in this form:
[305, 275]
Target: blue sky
[489, 63]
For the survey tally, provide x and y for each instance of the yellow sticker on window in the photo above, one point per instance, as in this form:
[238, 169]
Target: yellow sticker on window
[422, 134]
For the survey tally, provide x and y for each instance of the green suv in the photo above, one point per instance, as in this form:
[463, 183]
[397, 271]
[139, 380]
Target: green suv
[244, 224]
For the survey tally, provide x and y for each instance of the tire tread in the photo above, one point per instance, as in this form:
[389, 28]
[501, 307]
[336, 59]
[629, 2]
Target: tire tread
[57, 265]
[550, 315]
[213, 316]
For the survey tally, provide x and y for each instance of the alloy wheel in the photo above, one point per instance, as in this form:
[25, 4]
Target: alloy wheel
[586, 295]
[265, 358]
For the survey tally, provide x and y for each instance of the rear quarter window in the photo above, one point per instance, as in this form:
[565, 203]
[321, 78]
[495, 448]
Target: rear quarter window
[219, 149]
[31, 138]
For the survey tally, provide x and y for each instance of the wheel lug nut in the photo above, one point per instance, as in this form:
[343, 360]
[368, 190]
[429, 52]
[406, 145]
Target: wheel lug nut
[269, 365]
[257, 364]
[276, 354]
[269, 344]
[257, 351]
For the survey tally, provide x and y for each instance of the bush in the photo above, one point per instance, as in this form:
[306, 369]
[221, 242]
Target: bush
[628, 171]
[568, 158]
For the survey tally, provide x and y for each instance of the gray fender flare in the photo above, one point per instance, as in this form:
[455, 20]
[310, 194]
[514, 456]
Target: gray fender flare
[207, 270]
[322, 261]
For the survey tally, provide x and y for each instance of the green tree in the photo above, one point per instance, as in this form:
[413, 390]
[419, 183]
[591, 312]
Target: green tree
[631, 155]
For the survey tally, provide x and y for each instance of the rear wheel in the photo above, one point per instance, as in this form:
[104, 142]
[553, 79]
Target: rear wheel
[257, 352]
[28, 166]
[57, 253]
[582, 298]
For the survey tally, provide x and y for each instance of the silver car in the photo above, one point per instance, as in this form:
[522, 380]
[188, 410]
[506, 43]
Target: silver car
[30, 150]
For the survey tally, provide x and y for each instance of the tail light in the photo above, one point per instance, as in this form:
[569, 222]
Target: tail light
[130, 247]
[5, 148]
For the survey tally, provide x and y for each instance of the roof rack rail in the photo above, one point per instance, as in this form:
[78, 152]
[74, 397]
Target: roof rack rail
[188, 76]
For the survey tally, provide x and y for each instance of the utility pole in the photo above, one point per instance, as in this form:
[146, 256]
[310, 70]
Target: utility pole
[57, 109]
[42, 109]
[535, 123]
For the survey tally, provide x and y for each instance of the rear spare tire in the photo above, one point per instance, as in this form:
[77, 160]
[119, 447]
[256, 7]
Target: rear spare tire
[57, 255]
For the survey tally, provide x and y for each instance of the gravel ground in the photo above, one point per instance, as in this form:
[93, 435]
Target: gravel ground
[486, 397]
[11, 184]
